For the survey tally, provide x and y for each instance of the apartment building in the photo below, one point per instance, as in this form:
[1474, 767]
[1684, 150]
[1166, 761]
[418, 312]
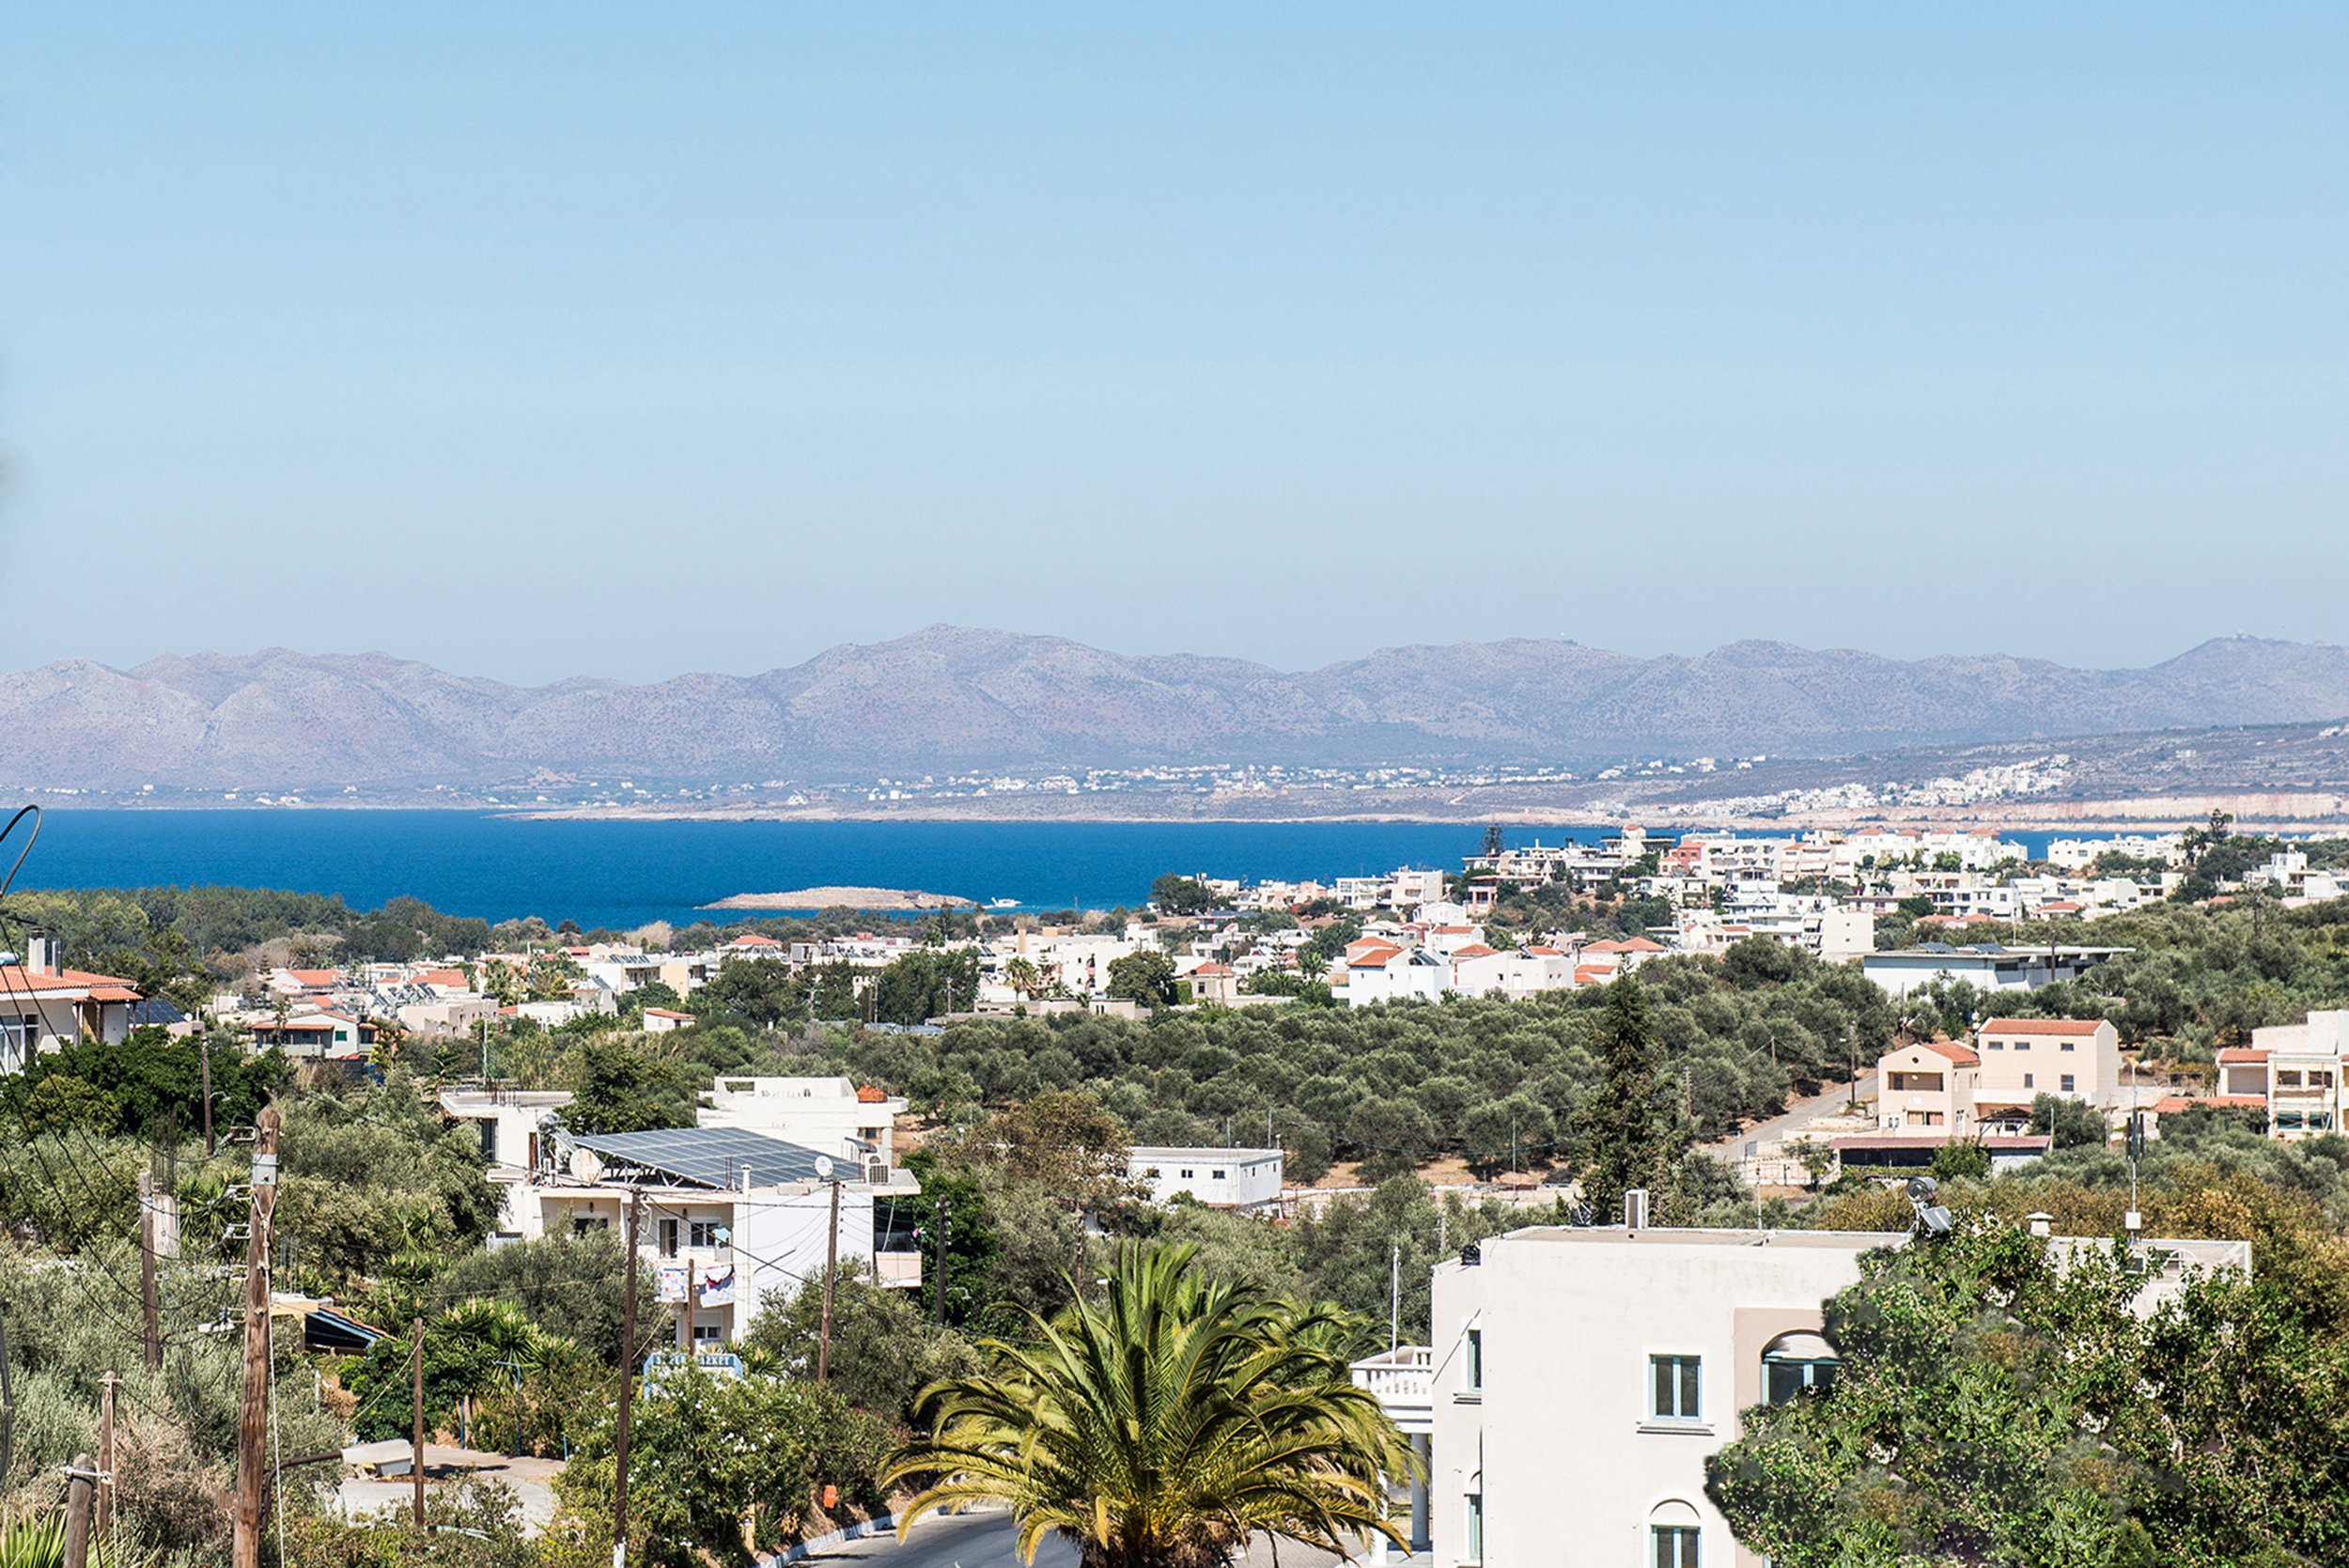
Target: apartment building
[2022, 1059]
[1578, 1379]
[727, 1215]
[2297, 1068]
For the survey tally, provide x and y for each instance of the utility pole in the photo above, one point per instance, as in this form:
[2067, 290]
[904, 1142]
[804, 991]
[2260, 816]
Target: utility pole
[416, 1415]
[1395, 1293]
[627, 1391]
[203, 1047]
[150, 1300]
[246, 1552]
[79, 1476]
[937, 1268]
[105, 1450]
[832, 1265]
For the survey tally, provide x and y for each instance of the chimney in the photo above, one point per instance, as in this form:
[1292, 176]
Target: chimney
[1635, 1209]
[2042, 1224]
[42, 953]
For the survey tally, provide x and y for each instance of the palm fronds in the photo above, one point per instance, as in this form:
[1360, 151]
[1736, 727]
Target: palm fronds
[1165, 1425]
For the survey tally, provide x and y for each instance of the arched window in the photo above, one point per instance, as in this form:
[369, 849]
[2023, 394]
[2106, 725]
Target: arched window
[1675, 1533]
[1793, 1362]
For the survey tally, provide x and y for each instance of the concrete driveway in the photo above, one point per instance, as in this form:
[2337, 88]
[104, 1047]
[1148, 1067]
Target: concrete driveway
[532, 1481]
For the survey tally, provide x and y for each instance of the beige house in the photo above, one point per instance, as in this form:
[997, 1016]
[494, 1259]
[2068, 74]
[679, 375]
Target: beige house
[2024, 1057]
[1927, 1089]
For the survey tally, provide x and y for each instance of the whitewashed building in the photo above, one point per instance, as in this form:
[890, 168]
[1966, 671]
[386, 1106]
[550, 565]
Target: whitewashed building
[1242, 1179]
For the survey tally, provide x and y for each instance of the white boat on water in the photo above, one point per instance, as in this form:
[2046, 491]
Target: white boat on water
[1002, 902]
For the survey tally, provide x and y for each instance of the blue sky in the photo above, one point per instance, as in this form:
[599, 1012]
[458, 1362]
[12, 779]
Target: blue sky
[629, 340]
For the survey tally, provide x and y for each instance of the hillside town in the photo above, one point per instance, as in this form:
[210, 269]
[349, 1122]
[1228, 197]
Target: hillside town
[840, 1149]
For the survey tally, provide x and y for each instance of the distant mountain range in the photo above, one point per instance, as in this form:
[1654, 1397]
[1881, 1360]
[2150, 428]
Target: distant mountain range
[951, 699]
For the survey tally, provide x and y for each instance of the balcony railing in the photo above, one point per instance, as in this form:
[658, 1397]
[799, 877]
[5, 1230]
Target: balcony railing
[1403, 1380]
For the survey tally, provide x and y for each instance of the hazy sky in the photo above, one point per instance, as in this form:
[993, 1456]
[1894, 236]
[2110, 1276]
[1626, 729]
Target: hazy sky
[634, 339]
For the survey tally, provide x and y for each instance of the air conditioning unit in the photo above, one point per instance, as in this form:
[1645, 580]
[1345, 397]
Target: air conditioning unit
[877, 1172]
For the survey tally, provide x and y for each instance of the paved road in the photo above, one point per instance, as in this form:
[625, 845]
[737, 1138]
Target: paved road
[962, 1541]
[1795, 1115]
[985, 1541]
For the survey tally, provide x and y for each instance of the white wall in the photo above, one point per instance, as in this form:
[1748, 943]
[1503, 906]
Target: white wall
[1560, 1441]
[1227, 1178]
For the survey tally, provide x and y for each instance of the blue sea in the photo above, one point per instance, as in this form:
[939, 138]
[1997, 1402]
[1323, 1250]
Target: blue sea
[621, 874]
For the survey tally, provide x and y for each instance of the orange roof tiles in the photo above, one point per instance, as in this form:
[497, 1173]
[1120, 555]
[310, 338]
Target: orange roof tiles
[2043, 1026]
[1959, 1054]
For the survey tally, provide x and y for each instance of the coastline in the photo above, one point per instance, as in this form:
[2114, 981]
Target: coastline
[2275, 811]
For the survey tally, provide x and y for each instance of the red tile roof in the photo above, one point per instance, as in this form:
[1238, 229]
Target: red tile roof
[1473, 950]
[2041, 1026]
[868, 1094]
[2170, 1105]
[2238, 1056]
[1951, 1049]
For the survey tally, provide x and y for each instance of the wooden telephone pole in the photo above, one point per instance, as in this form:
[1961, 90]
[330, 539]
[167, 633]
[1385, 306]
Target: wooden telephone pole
[831, 1267]
[251, 1417]
[105, 1451]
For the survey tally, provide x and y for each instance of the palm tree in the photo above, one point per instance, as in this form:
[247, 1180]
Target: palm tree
[1165, 1425]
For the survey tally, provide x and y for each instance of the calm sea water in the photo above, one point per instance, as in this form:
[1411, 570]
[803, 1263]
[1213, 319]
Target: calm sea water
[624, 873]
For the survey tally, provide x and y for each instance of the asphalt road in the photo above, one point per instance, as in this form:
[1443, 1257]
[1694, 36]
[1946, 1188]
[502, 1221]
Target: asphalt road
[985, 1541]
[961, 1540]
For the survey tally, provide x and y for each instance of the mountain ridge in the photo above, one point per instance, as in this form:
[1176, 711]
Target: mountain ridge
[955, 698]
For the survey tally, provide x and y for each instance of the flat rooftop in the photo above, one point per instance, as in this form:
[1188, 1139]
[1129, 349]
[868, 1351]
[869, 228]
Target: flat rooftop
[1675, 1236]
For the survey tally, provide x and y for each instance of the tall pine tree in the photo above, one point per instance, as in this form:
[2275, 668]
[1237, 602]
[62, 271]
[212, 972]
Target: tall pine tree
[1630, 1131]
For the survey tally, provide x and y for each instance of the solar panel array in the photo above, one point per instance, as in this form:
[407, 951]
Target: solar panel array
[713, 1157]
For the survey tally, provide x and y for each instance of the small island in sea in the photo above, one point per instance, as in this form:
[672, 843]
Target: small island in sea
[844, 898]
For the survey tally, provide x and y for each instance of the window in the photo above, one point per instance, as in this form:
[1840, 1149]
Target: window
[2022, 1044]
[708, 1333]
[2066, 1045]
[2067, 1083]
[1475, 1532]
[2287, 1078]
[1675, 1546]
[2027, 1081]
[584, 1223]
[1793, 1363]
[1218, 1174]
[1676, 1387]
[668, 1239]
[1475, 1360]
[703, 1233]
[1993, 1045]
[1188, 1175]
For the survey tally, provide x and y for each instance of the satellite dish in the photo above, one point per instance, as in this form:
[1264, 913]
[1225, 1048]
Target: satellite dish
[823, 1168]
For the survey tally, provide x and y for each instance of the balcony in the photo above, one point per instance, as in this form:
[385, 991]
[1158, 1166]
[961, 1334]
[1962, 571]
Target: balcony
[898, 1270]
[1403, 1380]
